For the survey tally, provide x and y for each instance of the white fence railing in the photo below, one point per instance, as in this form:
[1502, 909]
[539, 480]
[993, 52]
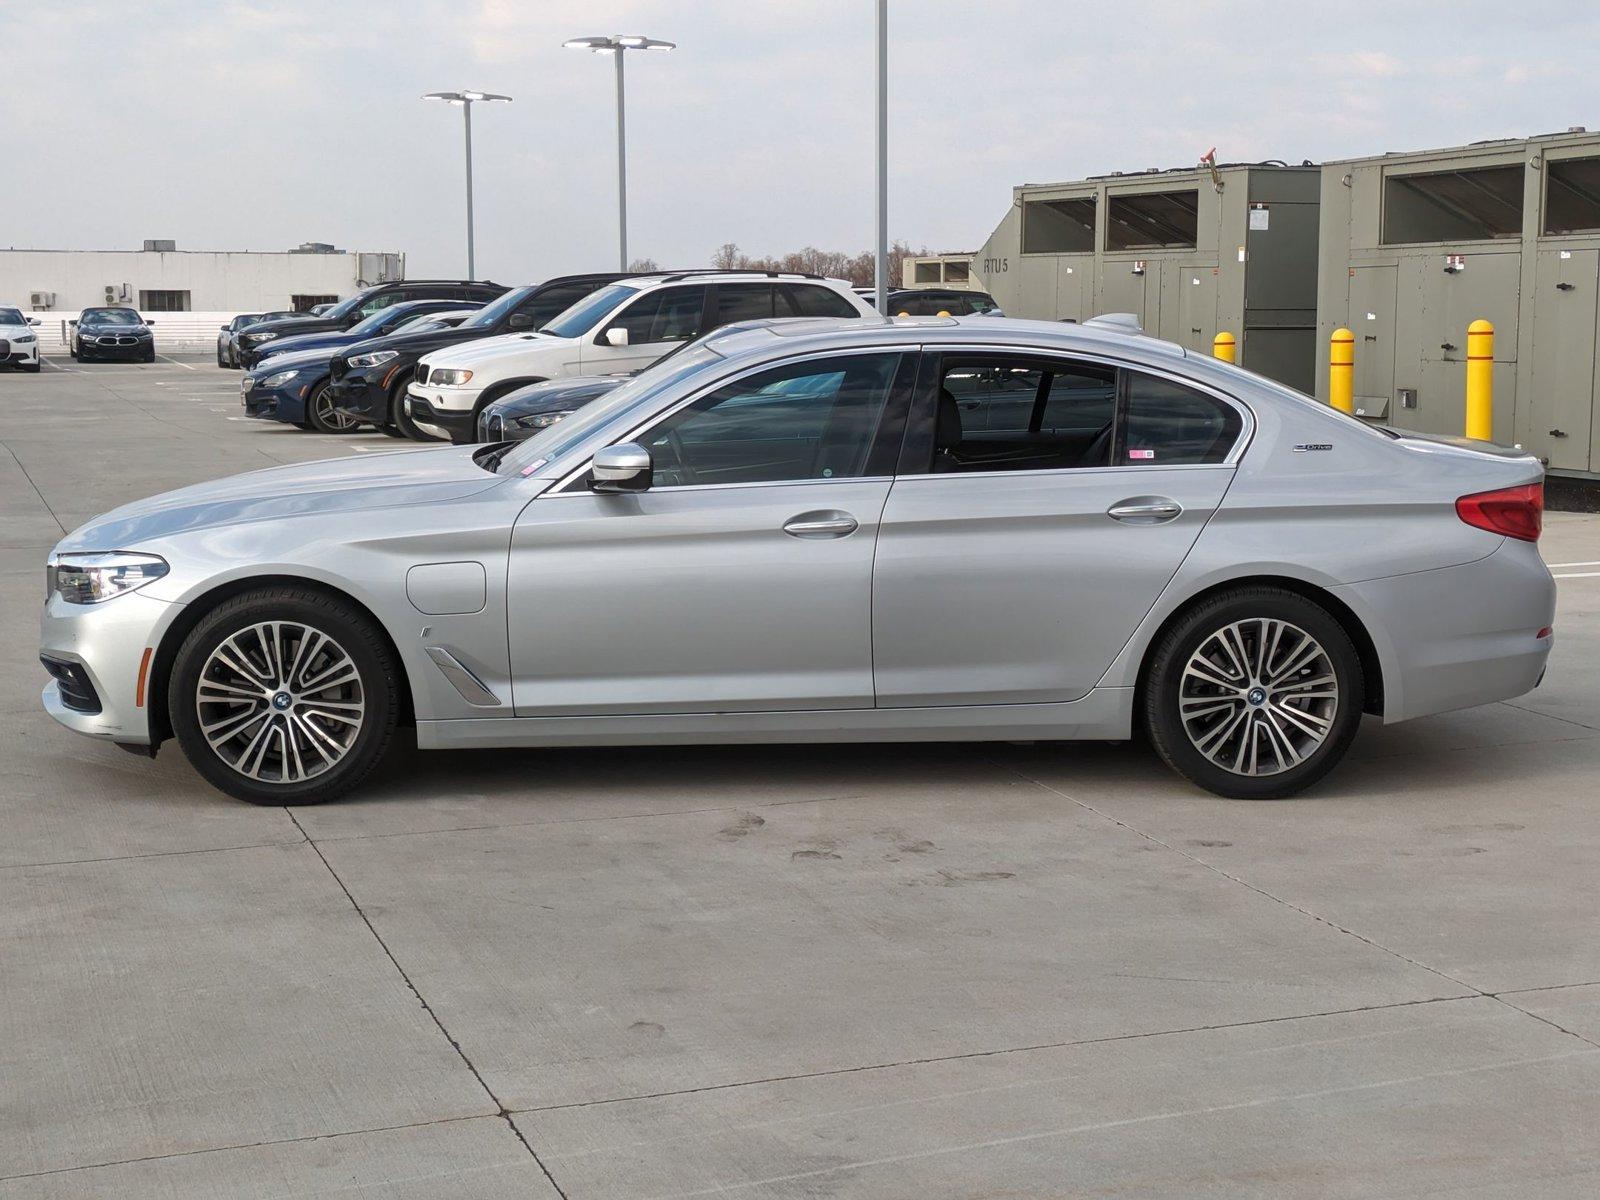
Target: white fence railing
[173, 330]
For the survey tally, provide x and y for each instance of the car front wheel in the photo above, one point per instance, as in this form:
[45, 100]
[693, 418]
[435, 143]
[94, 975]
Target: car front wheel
[284, 695]
[1255, 694]
[322, 416]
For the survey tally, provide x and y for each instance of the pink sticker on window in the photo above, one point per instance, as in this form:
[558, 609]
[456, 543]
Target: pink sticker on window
[1141, 453]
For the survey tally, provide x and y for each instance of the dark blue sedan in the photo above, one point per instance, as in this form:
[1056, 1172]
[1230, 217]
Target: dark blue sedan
[384, 321]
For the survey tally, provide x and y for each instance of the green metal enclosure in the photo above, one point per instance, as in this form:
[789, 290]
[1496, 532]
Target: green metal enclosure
[1416, 246]
[1191, 252]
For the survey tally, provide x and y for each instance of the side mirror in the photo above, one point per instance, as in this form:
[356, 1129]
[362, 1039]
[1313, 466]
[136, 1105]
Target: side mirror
[617, 335]
[224, 328]
[622, 468]
[33, 320]
[148, 321]
[519, 321]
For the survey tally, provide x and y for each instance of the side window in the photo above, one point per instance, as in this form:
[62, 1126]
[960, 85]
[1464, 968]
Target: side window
[670, 314]
[1016, 414]
[808, 420]
[981, 302]
[381, 301]
[740, 302]
[1168, 424]
[546, 304]
[809, 300]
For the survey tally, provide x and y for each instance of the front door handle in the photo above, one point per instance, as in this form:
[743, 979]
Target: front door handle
[829, 523]
[1145, 510]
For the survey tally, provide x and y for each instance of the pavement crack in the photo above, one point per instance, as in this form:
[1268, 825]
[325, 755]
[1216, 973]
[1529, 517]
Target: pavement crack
[34, 486]
[997, 1052]
[502, 1111]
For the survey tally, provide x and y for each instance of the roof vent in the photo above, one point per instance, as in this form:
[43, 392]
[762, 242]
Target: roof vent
[160, 245]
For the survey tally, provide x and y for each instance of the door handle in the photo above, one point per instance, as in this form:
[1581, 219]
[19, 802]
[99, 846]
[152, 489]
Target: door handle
[828, 524]
[1145, 510]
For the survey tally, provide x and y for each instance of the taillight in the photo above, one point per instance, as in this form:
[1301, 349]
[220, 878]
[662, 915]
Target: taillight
[1515, 512]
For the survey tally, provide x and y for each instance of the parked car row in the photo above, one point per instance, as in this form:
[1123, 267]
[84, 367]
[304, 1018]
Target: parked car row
[448, 379]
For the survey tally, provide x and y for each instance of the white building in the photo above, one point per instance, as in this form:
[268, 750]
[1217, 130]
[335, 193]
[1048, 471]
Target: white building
[161, 278]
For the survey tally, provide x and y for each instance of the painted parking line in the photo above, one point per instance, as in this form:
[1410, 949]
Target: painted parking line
[175, 362]
[1558, 566]
[1580, 575]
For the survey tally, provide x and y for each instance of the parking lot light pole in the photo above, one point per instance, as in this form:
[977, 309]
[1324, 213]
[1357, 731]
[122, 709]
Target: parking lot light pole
[880, 267]
[466, 100]
[618, 45]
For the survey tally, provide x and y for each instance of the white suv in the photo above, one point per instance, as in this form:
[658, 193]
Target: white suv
[19, 344]
[622, 327]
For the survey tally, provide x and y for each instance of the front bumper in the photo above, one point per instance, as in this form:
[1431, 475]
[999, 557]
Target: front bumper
[441, 412]
[106, 643]
[356, 395]
[136, 348]
[17, 353]
[286, 403]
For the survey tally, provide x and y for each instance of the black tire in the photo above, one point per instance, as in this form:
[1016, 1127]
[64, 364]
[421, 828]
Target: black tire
[72, 350]
[150, 356]
[393, 431]
[400, 419]
[1262, 720]
[352, 633]
[221, 361]
[323, 422]
[31, 368]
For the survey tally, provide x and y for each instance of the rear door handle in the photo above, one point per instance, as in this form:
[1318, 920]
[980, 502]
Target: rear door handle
[829, 523]
[1145, 510]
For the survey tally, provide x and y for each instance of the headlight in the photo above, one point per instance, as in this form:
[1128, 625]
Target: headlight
[449, 376]
[91, 578]
[543, 420]
[260, 337]
[376, 359]
[278, 380]
[22, 339]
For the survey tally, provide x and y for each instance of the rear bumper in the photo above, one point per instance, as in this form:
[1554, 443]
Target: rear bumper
[1459, 636]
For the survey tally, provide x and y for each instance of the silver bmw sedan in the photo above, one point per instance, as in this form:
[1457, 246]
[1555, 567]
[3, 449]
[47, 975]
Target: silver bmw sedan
[821, 532]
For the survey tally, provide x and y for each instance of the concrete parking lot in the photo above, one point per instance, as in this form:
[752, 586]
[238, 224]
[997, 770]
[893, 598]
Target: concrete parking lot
[874, 971]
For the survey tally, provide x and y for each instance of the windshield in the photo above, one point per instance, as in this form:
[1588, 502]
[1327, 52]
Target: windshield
[527, 457]
[11, 316]
[110, 316]
[590, 311]
[342, 309]
[491, 314]
[377, 322]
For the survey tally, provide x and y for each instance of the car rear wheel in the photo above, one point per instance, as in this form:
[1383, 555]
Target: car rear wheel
[1255, 694]
[284, 695]
[322, 416]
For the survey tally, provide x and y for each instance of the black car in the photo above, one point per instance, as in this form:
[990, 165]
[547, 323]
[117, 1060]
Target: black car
[526, 411]
[111, 333]
[360, 306]
[227, 350]
[933, 302]
[369, 382]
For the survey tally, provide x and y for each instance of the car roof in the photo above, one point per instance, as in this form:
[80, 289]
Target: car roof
[755, 339]
[716, 275]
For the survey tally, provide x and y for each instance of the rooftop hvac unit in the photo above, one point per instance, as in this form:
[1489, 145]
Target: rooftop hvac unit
[118, 291]
[41, 299]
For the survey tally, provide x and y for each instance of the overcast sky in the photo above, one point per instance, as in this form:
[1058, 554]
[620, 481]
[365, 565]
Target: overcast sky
[259, 124]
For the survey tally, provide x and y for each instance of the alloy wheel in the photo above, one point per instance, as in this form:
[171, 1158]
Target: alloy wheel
[1258, 696]
[329, 417]
[280, 702]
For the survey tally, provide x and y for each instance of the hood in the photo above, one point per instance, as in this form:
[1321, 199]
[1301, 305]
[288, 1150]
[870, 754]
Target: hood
[506, 345]
[271, 364]
[291, 344]
[556, 395]
[341, 485]
[291, 326]
[418, 342]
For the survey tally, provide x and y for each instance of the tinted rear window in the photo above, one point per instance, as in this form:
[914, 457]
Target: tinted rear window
[1168, 425]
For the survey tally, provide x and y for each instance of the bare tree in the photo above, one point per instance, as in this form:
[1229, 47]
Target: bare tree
[857, 268]
[643, 264]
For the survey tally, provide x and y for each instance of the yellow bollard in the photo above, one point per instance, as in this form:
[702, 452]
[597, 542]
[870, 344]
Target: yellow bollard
[1342, 371]
[1480, 380]
[1224, 346]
